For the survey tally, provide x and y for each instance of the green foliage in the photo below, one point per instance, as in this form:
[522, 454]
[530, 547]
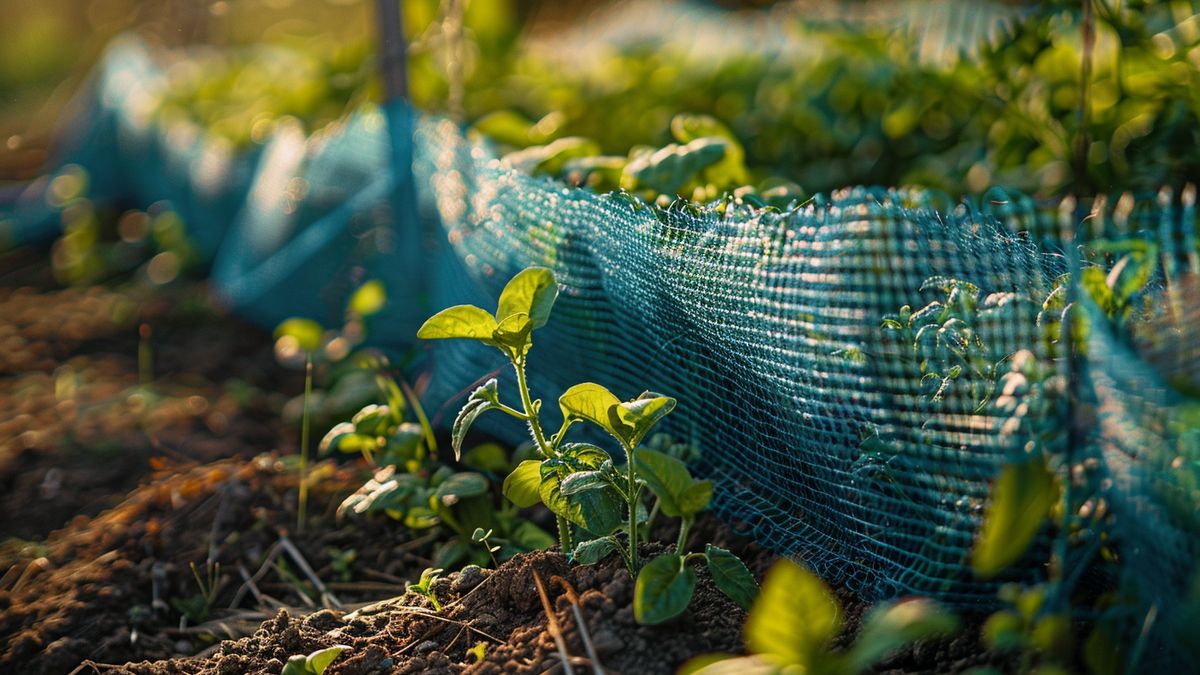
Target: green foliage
[413, 487]
[663, 589]
[313, 664]
[592, 496]
[1032, 625]
[795, 619]
[1022, 499]
[424, 586]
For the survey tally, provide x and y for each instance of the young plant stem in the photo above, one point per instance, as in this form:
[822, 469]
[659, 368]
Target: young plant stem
[302, 507]
[564, 535]
[426, 427]
[681, 543]
[535, 427]
[633, 504]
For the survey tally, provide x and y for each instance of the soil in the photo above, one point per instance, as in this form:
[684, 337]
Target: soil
[115, 482]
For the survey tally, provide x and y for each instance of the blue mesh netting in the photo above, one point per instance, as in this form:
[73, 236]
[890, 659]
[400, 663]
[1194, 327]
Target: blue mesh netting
[823, 438]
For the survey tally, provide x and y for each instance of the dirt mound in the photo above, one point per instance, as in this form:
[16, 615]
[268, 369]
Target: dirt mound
[500, 609]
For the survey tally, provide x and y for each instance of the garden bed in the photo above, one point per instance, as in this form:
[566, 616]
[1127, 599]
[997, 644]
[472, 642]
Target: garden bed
[110, 501]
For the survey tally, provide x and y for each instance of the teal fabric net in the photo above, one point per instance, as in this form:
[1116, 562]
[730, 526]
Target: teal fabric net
[826, 439]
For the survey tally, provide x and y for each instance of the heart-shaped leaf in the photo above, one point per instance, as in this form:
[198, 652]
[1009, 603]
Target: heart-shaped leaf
[523, 485]
[594, 550]
[531, 292]
[590, 402]
[663, 590]
[667, 478]
[637, 417]
[480, 401]
[460, 321]
[696, 497]
[794, 618]
[731, 576]
[461, 486]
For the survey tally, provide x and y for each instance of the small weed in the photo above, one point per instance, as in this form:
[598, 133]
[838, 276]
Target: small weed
[424, 586]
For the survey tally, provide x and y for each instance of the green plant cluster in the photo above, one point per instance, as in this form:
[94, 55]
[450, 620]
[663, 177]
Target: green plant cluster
[795, 621]
[600, 504]
[871, 110]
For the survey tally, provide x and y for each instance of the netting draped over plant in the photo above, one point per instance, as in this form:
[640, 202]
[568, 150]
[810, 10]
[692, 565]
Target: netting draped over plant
[854, 372]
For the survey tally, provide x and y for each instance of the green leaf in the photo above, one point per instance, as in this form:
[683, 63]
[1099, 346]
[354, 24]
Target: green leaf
[731, 576]
[386, 490]
[461, 486]
[696, 497]
[593, 551]
[663, 590]
[505, 126]
[514, 332]
[1021, 500]
[640, 415]
[794, 618]
[333, 439]
[1094, 282]
[480, 401]
[451, 552]
[461, 321]
[526, 536]
[1131, 274]
[522, 487]
[487, 457]
[583, 480]
[590, 402]
[667, 478]
[369, 298]
[727, 664]
[533, 292]
[296, 665]
[891, 626]
[313, 664]
[308, 333]
[1102, 653]
[372, 420]
[598, 511]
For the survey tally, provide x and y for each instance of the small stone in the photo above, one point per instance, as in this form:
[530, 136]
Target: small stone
[470, 577]
[426, 647]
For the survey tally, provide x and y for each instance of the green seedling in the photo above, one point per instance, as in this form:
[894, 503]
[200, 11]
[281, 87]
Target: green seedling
[305, 336]
[478, 652]
[480, 536]
[794, 621]
[413, 487]
[589, 493]
[313, 664]
[198, 608]
[424, 586]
